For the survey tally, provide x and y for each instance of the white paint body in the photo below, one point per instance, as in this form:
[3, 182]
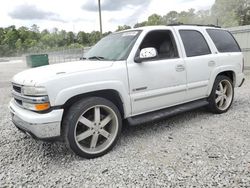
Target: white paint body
[165, 86]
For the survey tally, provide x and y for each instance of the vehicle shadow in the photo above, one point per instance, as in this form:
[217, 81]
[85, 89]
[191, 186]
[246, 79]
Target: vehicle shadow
[57, 152]
[176, 121]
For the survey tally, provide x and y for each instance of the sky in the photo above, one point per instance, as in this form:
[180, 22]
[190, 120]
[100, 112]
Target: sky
[82, 15]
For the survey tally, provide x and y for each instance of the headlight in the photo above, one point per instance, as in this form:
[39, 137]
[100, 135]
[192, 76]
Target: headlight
[34, 91]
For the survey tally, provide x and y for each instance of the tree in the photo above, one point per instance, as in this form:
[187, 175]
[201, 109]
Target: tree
[170, 18]
[187, 17]
[11, 36]
[82, 38]
[61, 38]
[44, 32]
[225, 12]
[204, 17]
[2, 35]
[34, 28]
[154, 19]
[70, 38]
[17, 41]
[94, 37]
[243, 12]
[124, 27]
[106, 33]
[142, 24]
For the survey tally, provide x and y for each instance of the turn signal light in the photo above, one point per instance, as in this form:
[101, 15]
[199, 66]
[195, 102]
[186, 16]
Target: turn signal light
[42, 107]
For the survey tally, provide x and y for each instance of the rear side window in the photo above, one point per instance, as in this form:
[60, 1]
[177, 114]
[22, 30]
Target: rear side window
[223, 40]
[194, 43]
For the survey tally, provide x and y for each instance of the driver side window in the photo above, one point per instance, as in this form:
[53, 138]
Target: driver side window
[163, 42]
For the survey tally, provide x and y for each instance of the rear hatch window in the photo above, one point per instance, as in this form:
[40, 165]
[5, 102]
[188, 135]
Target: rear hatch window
[223, 40]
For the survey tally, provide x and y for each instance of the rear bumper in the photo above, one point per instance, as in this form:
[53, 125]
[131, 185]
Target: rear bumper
[242, 82]
[40, 126]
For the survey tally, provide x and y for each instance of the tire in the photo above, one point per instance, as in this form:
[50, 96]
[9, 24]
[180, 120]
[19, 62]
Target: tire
[92, 127]
[222, 95]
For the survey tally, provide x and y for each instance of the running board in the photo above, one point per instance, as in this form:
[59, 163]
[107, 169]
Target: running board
[168, 112]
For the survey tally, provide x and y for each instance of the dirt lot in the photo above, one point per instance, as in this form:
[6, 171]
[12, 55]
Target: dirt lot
[194, 149]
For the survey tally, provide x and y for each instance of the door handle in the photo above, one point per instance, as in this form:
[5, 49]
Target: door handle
[180, 68]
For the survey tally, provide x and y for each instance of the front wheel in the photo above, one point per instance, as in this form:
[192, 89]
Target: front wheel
[92, 127]
[222, 95]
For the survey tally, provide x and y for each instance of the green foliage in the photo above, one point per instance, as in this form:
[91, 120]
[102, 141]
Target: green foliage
[142, 24]
[82, 38]
[171, 18]
[154, 19]
[22, 40]
[226, 13]
[124, 27]
[94, 36]
[13, 41]
[243, 12]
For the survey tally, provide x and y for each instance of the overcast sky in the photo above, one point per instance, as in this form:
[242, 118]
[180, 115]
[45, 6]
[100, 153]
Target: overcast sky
[75, 15]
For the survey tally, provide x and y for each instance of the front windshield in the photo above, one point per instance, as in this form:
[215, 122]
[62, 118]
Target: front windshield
[114, 47]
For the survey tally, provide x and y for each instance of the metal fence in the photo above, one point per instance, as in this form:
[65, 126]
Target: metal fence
[242, 35]
[63, 55]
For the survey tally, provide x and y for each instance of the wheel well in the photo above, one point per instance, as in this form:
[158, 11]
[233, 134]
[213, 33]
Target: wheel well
[229, 74]
[110, 95]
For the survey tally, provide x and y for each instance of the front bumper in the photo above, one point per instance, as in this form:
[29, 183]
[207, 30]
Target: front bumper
[40, 126]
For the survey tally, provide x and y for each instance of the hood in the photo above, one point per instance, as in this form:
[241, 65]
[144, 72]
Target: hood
[33, 76]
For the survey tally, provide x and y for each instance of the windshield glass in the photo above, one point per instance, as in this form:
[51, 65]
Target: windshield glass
[114, 47]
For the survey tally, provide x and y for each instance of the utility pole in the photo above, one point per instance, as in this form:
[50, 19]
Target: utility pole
[100, 16]
[217, 21]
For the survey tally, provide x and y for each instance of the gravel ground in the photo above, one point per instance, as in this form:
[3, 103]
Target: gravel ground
[194, 149]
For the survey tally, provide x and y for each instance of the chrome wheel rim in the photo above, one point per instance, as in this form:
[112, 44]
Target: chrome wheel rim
[224, 95]
[96, 129]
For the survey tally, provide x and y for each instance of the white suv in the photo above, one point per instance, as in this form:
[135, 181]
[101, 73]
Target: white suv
[137, 75]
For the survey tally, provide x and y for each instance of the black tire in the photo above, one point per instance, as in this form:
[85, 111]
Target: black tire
[213, 106]
[71, 124]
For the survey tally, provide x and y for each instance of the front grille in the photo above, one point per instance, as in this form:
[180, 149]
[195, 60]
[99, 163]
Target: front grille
[17, 88]
[19, 102]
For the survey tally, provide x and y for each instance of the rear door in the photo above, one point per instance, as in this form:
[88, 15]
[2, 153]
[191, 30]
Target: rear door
[200, 61]
[228, 50]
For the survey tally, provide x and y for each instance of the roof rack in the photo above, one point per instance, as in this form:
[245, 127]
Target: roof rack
[179, 24]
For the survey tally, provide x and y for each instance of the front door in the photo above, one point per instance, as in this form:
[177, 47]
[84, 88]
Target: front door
[160, 82]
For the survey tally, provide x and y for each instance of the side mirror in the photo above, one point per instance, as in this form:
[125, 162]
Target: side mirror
[146, 54]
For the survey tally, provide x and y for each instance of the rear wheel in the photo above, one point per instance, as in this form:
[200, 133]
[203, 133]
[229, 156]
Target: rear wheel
[92, 127]
[222, 95]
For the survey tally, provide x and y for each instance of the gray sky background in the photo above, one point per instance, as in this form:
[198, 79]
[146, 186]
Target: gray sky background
[78, 15]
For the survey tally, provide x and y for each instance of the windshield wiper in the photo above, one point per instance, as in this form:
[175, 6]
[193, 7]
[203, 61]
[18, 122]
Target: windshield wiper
[97, 57]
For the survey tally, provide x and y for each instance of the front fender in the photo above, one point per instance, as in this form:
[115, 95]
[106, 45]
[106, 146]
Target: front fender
[64, 95]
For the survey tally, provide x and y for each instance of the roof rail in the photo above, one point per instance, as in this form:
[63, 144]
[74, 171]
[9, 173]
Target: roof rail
[179, 24]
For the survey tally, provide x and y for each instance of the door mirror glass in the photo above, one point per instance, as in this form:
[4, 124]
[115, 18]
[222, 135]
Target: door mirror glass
[146, 54]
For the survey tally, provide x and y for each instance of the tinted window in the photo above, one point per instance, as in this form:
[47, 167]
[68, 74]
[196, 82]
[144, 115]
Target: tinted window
[194, 43]
[223, 40]
[163, 42]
